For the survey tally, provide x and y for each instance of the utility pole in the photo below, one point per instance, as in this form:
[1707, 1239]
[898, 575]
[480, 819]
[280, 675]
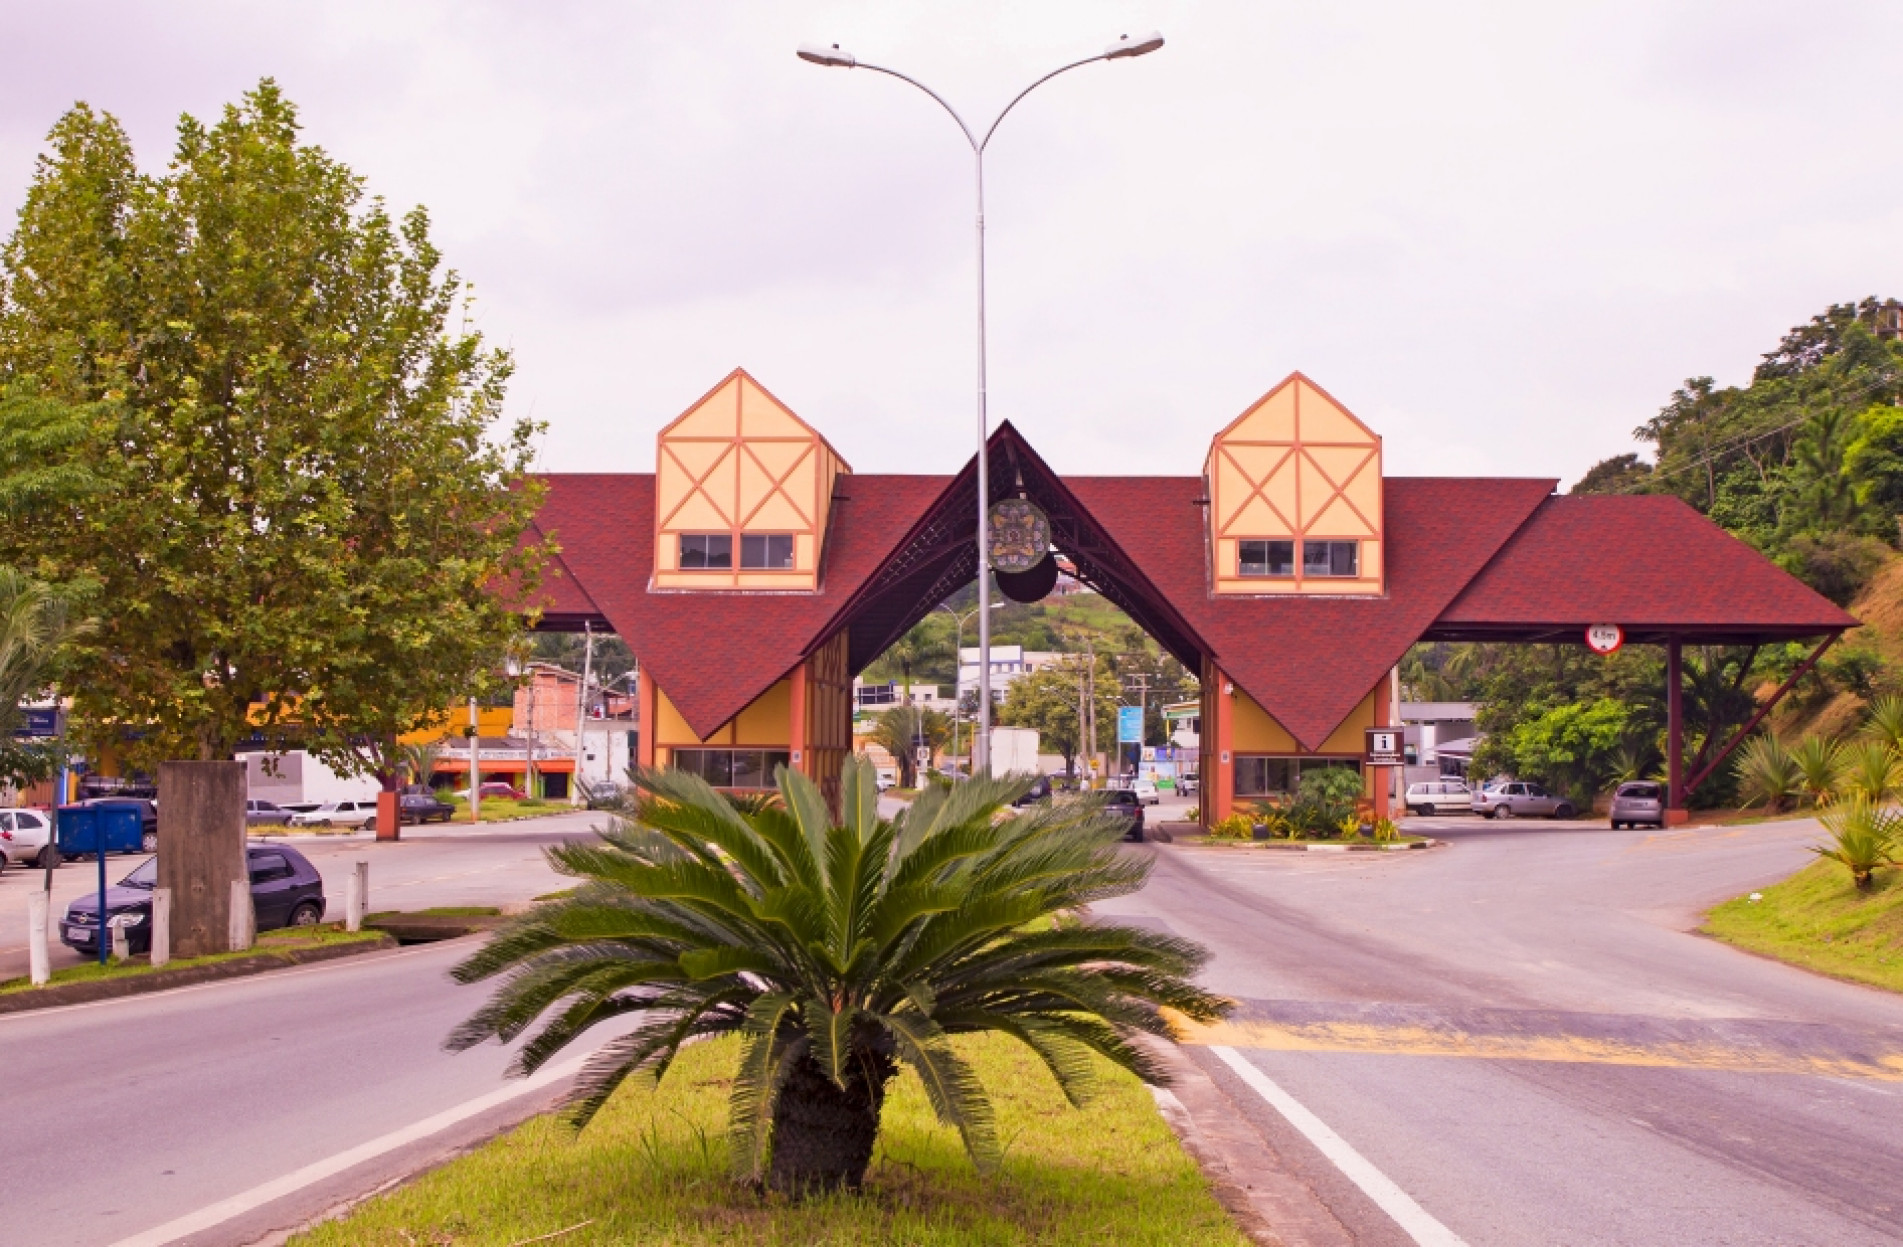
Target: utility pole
[581, 708]
[1090, 706]
[529, 771]
[475, 764]
[1142, 679]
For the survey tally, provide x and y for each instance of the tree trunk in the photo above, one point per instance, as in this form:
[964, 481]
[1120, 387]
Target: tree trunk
[823, 1136]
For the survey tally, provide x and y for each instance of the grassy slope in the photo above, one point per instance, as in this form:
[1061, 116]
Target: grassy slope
[1880, 607]
[652, 1170]
[1817, 920]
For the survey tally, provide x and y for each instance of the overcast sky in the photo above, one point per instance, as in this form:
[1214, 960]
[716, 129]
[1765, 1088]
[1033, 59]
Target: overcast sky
[1502, 234]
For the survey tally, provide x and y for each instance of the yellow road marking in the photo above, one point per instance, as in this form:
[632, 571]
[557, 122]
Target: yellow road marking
[1362, 1037]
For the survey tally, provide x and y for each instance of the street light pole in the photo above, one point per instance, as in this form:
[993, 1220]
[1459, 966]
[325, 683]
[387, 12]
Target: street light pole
[836, 57]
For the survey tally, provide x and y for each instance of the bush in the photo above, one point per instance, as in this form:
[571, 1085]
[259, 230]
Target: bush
[1863, 838]
[1323, 799]
[1769, 773]
[1235, 827]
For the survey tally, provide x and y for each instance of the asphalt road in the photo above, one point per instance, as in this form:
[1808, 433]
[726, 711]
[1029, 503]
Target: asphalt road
[1522, 1034]
[128, 1114]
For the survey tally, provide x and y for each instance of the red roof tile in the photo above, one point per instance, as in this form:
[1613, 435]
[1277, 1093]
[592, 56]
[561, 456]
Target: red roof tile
[1649, 563]
[714, 652]
[1309, 661]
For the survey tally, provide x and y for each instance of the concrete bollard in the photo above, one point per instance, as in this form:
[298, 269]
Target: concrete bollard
[161, 926]
[356, 894]
[36, 913]
[121, 944]
[244, 923]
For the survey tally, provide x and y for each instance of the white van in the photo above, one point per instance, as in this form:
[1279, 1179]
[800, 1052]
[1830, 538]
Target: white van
[1441, 796]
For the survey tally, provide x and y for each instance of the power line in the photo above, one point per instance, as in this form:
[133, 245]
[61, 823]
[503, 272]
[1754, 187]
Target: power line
[1746, 439]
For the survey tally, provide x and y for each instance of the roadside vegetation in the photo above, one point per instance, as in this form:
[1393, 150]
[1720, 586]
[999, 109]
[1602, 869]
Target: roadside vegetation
[653, 1168]
[838, 954]
[1820, 920]
[1806, 464]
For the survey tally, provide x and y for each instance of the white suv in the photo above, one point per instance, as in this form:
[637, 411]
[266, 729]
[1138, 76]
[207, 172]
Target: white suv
[26, 838]
[1442, 796]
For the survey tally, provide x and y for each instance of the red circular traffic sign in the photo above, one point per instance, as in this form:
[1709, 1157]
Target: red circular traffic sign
[1604, 638]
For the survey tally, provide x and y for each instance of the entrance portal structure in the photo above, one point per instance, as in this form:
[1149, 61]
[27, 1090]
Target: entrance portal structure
[754, 574]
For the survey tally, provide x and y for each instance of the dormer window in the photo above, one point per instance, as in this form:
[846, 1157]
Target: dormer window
[1265, 558]
[1331, 558]
[706, 551]
[766, 551]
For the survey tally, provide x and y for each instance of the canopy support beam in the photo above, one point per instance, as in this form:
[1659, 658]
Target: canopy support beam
[1790, 682]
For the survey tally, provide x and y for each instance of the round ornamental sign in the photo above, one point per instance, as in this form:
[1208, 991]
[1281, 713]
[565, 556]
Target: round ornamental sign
[1019, 535]
[1604, 638]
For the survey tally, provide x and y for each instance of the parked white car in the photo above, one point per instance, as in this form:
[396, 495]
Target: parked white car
[1441, 796]
[26, 838]
[1146, 791]
[338, 814]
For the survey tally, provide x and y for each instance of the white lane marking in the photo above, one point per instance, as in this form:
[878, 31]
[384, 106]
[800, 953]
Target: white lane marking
[296, 1180]
[1377, 1186]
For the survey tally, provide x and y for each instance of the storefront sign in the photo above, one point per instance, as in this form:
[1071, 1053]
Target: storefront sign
[1383, 748]
[1604, 638]
[1129, 725]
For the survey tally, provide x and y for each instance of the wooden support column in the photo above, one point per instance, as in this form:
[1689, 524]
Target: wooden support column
[648, 708]
[796, 730]
[1675, 811]
[1220, 800]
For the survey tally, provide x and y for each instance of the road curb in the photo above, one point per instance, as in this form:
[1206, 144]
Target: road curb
[185, 976]
[1270, 1205]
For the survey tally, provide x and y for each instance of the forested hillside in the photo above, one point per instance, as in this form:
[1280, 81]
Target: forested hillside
[1806, 464]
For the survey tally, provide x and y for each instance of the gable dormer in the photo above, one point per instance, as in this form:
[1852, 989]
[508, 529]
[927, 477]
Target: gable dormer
[1294, 487]
[742, 488]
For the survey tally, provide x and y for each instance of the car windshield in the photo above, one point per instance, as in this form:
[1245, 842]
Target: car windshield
[145, 876]
[1639, 790]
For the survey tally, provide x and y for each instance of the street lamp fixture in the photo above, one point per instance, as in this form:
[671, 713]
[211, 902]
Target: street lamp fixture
[835, 57]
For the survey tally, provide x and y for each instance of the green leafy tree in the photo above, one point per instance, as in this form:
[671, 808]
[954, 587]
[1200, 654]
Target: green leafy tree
[838, 952]
[307, 498]
[1874, 460]
[1048, 700]
[37, 625]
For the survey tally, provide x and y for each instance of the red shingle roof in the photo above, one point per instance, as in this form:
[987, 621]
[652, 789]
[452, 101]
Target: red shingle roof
[715, 652]
[1309, 661]
[1463, 556]
[1649, 563]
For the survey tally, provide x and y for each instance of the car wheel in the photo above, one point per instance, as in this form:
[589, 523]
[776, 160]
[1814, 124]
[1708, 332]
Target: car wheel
[1503, 810]
[307, 914]
[48, 858]
[322, 822]
[149, 842]
[1565, 811]
[370, 824]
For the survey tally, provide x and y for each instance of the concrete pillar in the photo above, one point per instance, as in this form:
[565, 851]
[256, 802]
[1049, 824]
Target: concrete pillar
[121, 944]
[202, 852]
[36, 911]
[389, 816]
[161, 926]
[244, 919]
[356, 894]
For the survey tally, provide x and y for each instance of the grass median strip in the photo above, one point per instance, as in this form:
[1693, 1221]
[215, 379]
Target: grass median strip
[652, 1169]
[282, 943]
[1817, 920]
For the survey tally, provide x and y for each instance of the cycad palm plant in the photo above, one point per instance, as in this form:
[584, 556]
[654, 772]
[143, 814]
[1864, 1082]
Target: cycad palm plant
[1886, 721]
[837, 951]
[1769, 773]
[419, 761]
[1864, 837]
[1869, 770]
[1818, 758]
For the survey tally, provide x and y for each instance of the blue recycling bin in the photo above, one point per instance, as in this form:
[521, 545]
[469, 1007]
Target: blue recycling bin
[90, 828]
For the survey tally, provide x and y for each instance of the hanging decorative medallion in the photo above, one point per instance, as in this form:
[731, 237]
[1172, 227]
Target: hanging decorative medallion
[1020, 535]
[1032, 586]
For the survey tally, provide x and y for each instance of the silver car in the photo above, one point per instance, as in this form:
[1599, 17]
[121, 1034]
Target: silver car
[26, 838]
[1440, 796]
[1517, 799]
[1639, 802]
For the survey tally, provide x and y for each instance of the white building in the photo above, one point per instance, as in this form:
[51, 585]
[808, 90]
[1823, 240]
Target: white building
[1008, 662]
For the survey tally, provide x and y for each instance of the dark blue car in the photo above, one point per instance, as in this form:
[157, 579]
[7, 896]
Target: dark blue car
[286, 891]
